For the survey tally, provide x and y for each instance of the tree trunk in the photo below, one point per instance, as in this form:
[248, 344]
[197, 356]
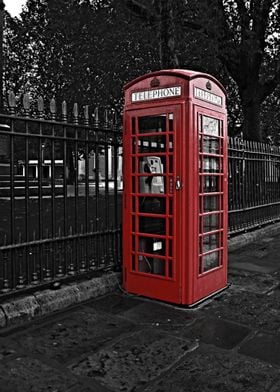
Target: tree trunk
[251, 119]
[166, 35]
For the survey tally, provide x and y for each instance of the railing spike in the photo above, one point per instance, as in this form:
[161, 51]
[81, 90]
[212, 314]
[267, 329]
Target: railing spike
[11, 101]
[53, 108]
[106, 119]
[26, 104]
[96, 118]
[75, 113]
[64, 111]
[86, 115]
[40, 105]
[115, 120]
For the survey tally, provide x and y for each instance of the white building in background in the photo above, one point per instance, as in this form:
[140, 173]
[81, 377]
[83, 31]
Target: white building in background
[102, 166]
[33, 170]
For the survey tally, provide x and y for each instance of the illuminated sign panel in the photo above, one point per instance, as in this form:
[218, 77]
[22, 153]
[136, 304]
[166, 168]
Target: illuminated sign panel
[159, 93]
[207, 96]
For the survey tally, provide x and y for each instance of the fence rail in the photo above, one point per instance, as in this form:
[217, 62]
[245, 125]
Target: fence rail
[254, 186]
[60, 196]
[60, 193]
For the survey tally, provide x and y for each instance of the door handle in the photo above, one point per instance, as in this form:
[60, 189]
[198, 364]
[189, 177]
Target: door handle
[178, 184]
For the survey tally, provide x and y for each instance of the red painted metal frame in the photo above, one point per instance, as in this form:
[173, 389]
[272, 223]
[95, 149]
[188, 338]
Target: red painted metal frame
[188, 284]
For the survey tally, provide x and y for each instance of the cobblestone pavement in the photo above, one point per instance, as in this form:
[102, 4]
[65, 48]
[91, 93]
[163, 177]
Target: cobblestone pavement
[118, 342]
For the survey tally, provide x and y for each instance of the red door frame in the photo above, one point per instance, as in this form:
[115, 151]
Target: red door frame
[154, 286]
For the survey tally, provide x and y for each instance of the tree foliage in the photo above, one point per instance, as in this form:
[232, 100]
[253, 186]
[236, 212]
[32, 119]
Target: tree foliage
[85, 50]
[249, 48]
[81, 51]
[236, 40]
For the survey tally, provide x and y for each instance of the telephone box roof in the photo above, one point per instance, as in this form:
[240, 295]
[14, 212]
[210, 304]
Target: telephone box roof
[183, 73]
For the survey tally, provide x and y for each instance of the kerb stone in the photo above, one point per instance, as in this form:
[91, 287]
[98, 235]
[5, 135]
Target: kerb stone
[20, 310]
[3, 320]
[52, 300]
[97, 287]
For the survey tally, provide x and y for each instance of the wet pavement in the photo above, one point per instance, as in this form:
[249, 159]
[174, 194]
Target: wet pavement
[119, 342]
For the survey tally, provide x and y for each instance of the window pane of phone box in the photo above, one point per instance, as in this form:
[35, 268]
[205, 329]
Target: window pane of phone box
[209, 184]
[210, 261]
[211, 222]
[152, 245]
[152, 205]
[149, 124]
[210, 165]
[151, 265]
[152, 184]
[209, 145]
[209, 242]
[152, 144]
[210, 126]
[152, 225]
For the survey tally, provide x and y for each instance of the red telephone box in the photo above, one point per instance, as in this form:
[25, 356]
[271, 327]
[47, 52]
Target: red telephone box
[175, 186]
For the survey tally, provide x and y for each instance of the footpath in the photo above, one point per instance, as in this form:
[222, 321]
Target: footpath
[118, 342]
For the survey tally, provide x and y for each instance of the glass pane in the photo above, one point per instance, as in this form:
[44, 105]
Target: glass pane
[152, 144]
[149, 124]
[152, 225]
[151, 265]
[211, 203]
[170, 268]
[210, 125]
[211, 222]
[151, 184]
[133, 204]
[170, 120]
[151, 165]
[209, 242]
[209, 184]
[152, 245]
[210, 145]
[152, 205]
[210, 261]
[170, 142]
[210, 165]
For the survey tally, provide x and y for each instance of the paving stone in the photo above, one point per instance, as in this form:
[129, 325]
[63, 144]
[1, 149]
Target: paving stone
[21, 310]
[220, 333]
[114, 303]
[257, 311]
[263, 346]
[261, 257]
[217, 371]
[24, 374]
[244, 307]
[72, 335]
[256, 283]
[133, 361]
[157, 314]
[270, 320]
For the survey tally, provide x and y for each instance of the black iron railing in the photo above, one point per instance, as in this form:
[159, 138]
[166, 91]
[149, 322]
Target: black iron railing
[60, 194]
[254, 184]
[61, 188]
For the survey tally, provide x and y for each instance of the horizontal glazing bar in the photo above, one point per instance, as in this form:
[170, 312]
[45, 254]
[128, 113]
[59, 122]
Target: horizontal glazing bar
[212, 251]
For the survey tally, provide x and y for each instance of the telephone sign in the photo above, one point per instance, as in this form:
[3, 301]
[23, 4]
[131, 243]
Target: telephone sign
[156, 94]
[175, 187]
